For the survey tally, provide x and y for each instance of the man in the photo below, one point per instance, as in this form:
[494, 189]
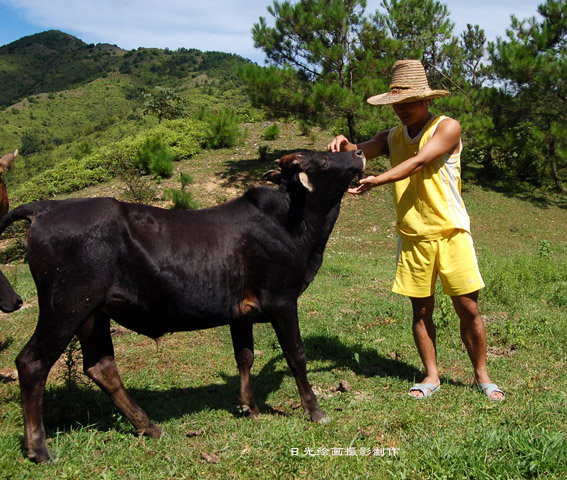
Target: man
[432, 222]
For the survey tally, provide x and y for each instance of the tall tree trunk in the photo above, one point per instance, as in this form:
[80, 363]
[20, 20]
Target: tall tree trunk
[351, 128]
[554, 172]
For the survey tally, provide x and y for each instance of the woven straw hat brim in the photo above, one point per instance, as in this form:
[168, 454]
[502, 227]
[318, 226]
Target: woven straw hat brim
[409, 84]
[404, 96]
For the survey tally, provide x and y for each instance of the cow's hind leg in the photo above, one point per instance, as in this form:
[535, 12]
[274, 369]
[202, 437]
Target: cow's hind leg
[99, 365]
[34, 363]
[243, 342]
[286, 325]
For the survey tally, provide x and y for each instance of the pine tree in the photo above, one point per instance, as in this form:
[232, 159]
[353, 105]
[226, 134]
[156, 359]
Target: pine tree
[314, 49]
[422, 27]
[532, 66]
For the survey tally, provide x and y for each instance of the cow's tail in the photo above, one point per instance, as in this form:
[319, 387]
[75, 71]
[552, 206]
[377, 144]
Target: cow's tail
[10, 301]
[25, 212]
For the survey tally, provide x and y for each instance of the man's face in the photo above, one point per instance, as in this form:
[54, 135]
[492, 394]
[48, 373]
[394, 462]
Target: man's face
[411, 113]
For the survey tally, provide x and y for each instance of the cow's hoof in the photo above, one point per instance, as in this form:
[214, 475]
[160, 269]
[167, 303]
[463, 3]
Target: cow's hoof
[320, 417]
[153, 431]
[249, 412]
[41, 456]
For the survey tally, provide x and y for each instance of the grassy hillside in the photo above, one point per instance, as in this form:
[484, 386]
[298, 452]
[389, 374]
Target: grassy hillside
[60, 117]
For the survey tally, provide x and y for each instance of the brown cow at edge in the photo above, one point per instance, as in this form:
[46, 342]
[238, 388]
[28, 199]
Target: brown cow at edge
[9, 299]
[5, 165]
[156, 271]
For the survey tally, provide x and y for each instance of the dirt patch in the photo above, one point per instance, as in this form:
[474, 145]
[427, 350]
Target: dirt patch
[215, 187]
[500, 352]
[8, 375]
[495, 317]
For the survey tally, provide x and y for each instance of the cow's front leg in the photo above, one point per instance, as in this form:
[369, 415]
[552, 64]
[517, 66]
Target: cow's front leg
[243, 342]
[286, 325]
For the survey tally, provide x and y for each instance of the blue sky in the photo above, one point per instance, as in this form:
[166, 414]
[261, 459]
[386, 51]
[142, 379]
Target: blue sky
[222, 25]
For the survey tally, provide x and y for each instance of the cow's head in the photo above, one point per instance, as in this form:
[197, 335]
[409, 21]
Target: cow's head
[6, 161]
[319, 171]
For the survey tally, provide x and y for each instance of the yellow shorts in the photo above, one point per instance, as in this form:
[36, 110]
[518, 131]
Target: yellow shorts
[452, 258]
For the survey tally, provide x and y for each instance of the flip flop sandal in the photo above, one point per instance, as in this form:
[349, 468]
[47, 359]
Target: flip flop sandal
[488, 389]
[423, 388]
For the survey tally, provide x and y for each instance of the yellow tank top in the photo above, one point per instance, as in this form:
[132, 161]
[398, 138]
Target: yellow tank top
[428, 203]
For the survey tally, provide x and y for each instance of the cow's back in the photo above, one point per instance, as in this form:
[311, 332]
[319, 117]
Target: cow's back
[194, 268]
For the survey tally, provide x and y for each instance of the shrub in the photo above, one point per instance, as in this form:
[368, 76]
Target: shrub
[69, 176]
[304, 128]
[30, 143]
[222, 130]
[263, 151]
[139, 189]
[182, 199]
[201, 114]
[15, 249]
[182, 136]
[153, 157]
[272, 132]
[83, 149]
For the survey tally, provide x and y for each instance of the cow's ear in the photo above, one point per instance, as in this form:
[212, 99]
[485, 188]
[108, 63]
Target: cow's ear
[304, 179]
[291, 161]
[274, 176]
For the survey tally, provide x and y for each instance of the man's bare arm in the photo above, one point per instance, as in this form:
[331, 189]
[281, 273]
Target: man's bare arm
[446, 140]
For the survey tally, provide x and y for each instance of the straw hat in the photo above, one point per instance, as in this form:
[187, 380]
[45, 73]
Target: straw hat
[409, 84]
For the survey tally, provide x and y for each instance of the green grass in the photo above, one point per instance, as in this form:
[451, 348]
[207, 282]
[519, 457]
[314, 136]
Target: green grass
[354, 330]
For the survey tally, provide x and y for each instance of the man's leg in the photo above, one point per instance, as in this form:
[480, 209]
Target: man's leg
[473, 335]
[424, 336]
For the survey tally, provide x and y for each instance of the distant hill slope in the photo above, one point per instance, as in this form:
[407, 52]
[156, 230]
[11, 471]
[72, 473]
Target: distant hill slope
[49, 62]
[53, 61]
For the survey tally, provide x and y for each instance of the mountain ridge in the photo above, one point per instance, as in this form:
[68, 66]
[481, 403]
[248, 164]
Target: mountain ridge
[54, 61]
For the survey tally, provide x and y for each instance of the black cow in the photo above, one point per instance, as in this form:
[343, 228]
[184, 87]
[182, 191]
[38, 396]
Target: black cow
[157, 271]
